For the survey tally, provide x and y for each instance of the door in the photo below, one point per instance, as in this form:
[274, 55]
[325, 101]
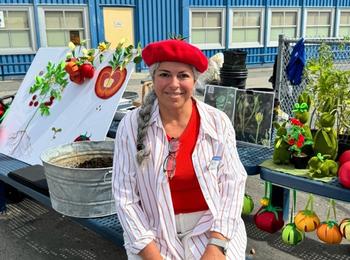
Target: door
[118, 24]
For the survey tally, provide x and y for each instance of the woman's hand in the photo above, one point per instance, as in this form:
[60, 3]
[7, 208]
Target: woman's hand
[212, 252]
[150, 252]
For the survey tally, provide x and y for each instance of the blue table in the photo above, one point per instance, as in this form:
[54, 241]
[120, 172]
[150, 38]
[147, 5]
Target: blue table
[330, 190]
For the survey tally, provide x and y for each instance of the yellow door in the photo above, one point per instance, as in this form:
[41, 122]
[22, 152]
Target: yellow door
[118, 24]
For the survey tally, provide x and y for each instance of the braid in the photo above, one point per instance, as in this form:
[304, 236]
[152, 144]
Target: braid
[143, 123]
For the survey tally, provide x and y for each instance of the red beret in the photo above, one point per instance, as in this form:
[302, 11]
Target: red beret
[175, 50]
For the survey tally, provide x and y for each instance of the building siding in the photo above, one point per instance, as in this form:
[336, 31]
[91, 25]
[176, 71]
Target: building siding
[156, 19]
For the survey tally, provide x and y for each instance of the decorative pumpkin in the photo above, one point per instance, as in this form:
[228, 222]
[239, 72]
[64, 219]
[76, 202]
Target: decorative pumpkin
[306, 219]
[329, 232]
[344, 228]
[291, 235]
[248, 205]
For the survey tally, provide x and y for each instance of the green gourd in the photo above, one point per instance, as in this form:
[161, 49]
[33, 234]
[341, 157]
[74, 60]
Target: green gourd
[281, 153]
[248, 205]
[291, 235]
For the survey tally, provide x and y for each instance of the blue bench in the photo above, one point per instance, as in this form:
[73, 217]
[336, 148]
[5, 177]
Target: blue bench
[109, 227]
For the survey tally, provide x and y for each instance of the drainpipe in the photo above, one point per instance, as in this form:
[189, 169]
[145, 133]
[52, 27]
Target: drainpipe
[227, 29]
[36, 23]
[92, 22]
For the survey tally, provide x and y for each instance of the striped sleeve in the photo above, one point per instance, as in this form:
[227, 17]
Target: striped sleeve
[232, 177]
[137, 232]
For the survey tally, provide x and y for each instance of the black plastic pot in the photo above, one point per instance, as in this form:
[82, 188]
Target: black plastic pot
[300, 162]
[237, 82]
[235, 57]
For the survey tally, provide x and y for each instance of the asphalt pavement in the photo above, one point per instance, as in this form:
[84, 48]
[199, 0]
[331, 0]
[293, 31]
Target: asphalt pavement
[32, 231]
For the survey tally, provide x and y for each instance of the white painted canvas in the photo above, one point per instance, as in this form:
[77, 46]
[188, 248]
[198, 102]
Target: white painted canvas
[25, 134]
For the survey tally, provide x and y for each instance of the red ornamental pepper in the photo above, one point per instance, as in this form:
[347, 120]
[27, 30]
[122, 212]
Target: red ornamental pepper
[296, 122]
[291, 141]
[300, 141]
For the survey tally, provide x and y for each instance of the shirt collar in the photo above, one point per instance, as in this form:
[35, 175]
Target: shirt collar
[206, 127]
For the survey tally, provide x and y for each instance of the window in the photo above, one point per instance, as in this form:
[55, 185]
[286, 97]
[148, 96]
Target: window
[247, 27]
[318, 24]
[283, 22]
[63, 26]
[344, 25]
[207, 28]
[16, 31]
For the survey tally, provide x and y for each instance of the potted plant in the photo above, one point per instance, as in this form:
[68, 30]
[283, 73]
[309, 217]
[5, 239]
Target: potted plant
[297, 139]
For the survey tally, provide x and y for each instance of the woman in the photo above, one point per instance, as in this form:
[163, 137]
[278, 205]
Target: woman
[177, 180]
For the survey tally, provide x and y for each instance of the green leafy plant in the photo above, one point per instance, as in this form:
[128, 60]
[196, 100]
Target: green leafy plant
[48, 87]
[325, 80]
[122, 56]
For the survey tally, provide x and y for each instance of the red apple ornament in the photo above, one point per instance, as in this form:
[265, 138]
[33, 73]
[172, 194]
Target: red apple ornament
[344, 157]
[344, 175]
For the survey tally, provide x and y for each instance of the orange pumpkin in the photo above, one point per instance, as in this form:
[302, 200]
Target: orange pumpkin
[306, 220]
[329, 232]
[345, 228]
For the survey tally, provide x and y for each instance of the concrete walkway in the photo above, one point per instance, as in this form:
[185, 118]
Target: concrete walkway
[31, 231]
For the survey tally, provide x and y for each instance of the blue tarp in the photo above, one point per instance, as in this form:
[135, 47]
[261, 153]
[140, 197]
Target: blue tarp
[296, 63]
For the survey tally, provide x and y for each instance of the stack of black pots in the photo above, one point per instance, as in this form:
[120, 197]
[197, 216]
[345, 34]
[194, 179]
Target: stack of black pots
[234, 71]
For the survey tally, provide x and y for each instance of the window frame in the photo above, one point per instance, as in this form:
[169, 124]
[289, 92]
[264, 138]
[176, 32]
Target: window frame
[42, 23]
[209, 46]
[340, 11]
[247, 44]
[32, 32]
[321, 10]
[269, 22]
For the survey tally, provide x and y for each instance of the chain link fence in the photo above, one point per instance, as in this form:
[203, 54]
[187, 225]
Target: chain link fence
[286, 93]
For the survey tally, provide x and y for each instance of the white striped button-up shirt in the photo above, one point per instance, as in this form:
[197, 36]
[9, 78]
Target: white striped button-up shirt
[143, 196]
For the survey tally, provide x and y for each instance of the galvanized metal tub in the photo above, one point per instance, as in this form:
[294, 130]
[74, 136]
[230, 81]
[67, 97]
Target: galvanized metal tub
[79, 192]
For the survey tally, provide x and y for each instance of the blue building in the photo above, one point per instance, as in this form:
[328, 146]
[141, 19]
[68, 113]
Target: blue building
[212, 25]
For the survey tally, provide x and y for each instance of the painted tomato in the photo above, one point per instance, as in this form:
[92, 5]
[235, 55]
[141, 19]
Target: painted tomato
[72, 67]
[87, 70]
[78, 78]
[108, 83]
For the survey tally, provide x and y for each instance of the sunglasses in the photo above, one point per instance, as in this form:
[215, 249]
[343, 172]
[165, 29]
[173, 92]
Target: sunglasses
[169, 164]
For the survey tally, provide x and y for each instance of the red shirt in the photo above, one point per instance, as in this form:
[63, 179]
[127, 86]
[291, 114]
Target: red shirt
[186, 193]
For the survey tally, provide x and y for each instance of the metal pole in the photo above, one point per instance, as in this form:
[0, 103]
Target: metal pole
[2, 198]
[279, 65]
